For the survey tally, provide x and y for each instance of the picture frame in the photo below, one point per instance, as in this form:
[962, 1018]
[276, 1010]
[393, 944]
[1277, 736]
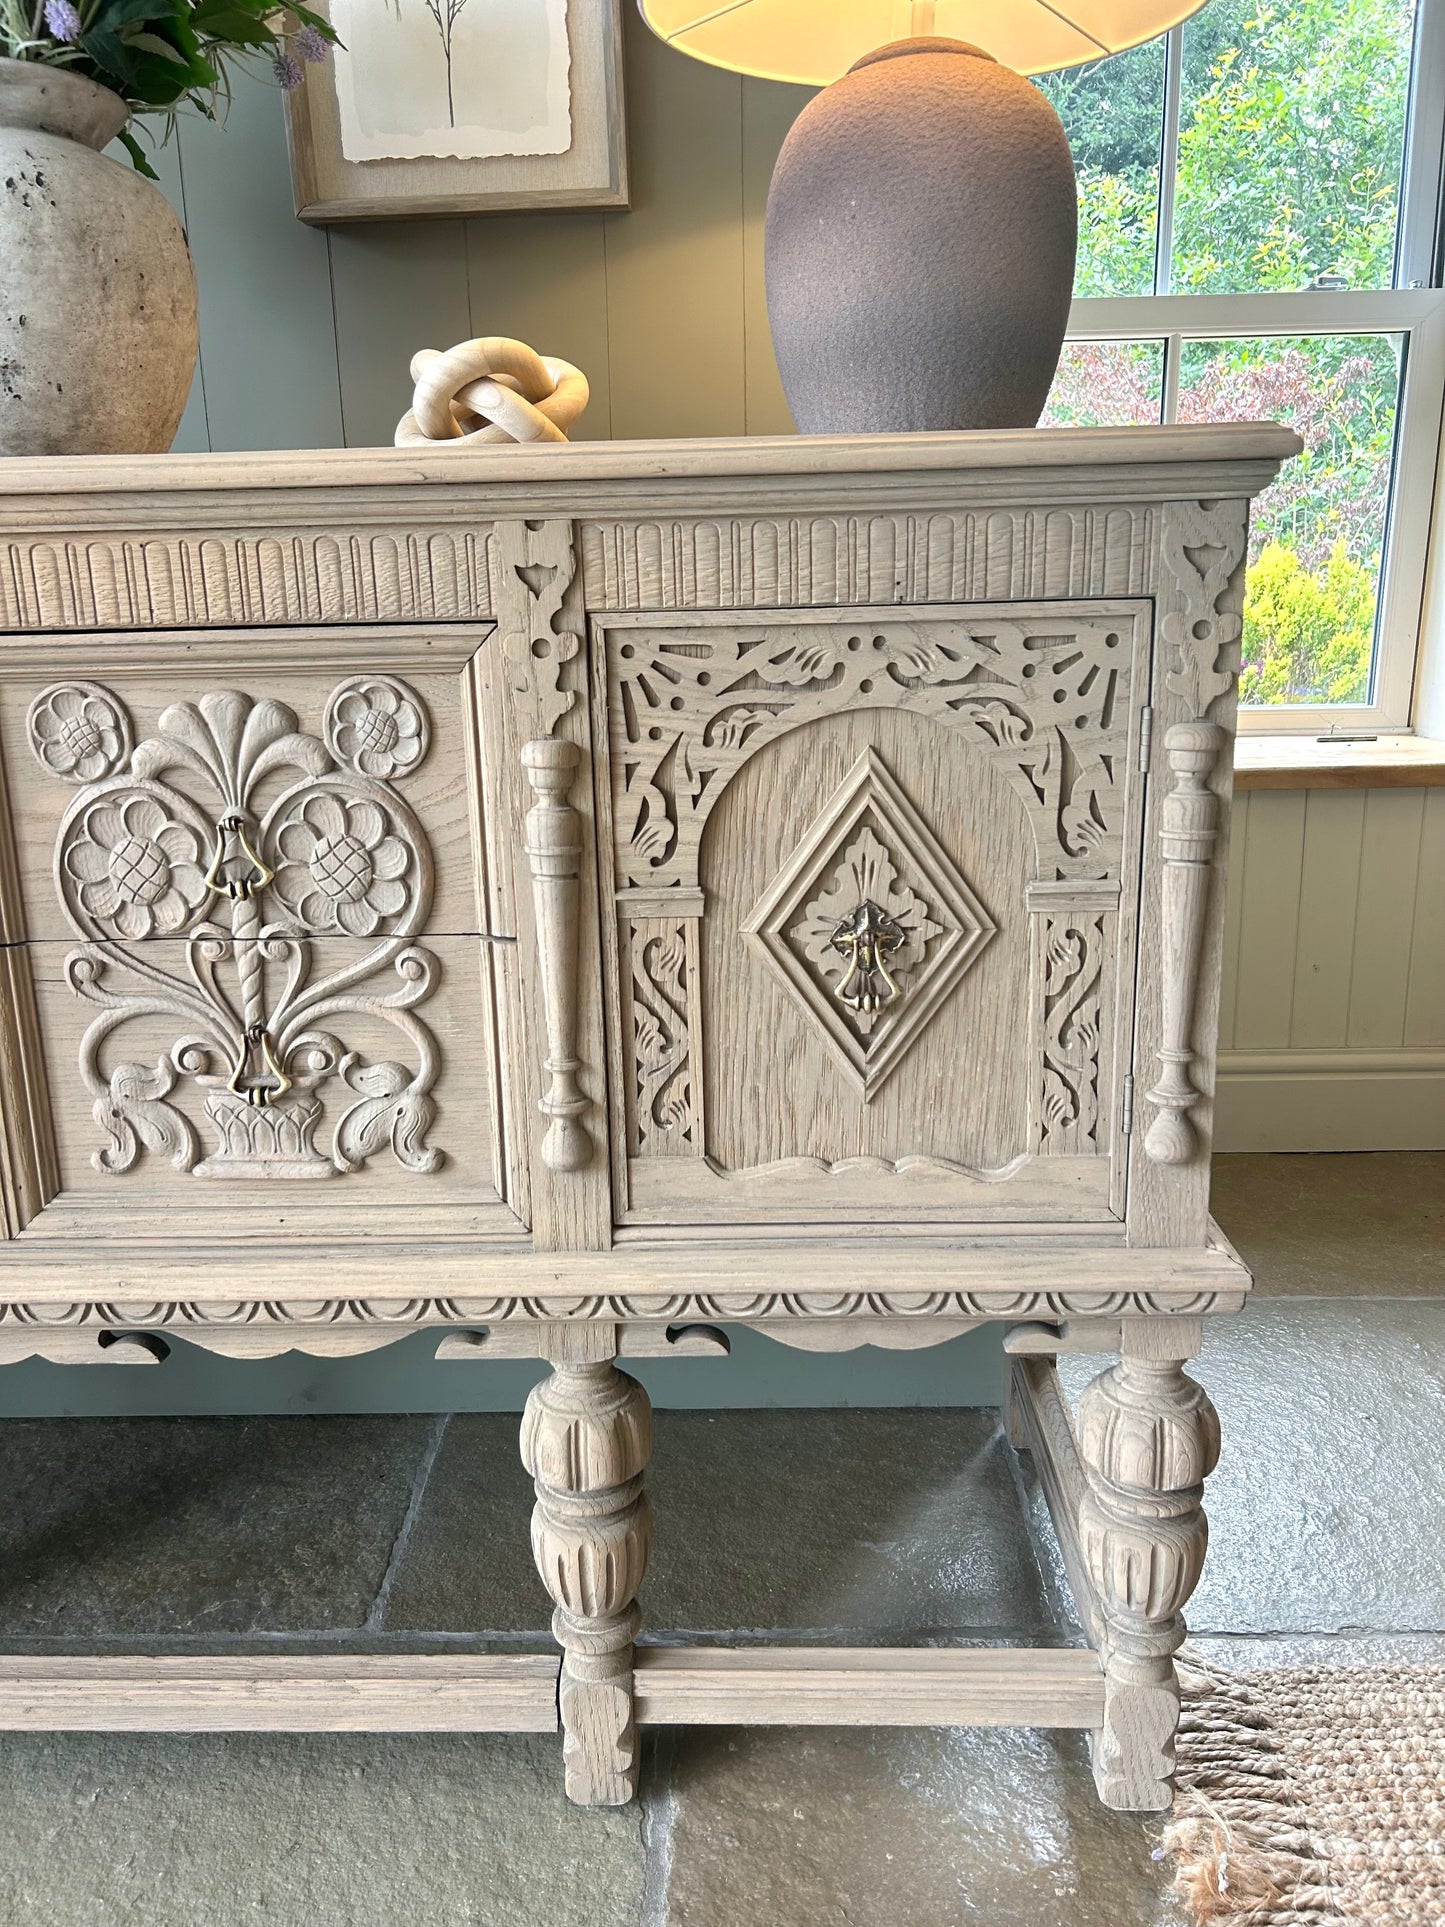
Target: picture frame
[417, 75]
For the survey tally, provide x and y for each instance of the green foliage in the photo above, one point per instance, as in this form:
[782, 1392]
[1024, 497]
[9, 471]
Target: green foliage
[1116, 233]
[1113, 109]
[162, 55]
[1308, 636]
[1292, 127]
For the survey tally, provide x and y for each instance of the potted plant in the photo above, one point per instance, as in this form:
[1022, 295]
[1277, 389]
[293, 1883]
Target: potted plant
[97, 291]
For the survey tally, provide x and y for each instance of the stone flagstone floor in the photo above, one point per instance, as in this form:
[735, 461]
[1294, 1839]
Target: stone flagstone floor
[392, 1533]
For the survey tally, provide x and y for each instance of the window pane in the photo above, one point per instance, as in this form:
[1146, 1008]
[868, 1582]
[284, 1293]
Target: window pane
[1107, 384]
[1292, 124]
[1113, 111]
[1317, 536]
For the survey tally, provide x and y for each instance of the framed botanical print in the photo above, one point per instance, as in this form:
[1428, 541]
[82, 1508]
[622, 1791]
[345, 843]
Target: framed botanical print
[461, 107]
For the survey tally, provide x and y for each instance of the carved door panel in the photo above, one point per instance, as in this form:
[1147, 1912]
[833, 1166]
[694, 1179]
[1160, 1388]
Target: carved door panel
[252, 970]
[872, 912]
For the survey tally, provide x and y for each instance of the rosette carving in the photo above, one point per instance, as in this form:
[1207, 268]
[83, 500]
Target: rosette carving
[79, 731]
[202, 867]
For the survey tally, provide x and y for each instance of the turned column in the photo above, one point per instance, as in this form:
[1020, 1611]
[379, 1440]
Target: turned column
[1149, 1437]
[586, 1437]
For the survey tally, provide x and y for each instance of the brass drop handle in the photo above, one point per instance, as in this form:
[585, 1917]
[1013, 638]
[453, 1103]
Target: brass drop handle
[270, 1082]
[231, 841]
[868, 938]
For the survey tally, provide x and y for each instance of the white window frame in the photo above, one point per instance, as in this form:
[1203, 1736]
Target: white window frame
[1414, 308]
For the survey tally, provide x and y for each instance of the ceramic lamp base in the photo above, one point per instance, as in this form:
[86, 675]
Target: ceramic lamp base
[921, 230]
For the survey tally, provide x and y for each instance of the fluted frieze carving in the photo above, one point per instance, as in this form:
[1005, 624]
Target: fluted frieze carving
[158, 581]
[828, 561]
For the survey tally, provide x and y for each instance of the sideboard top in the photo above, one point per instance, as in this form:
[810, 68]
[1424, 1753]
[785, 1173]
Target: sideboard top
[592, 478]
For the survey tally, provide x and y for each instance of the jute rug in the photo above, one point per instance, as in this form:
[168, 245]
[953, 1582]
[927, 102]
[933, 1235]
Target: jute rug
[1311, 1796]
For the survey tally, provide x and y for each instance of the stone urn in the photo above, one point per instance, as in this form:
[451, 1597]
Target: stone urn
[98, 327]
[920, 246]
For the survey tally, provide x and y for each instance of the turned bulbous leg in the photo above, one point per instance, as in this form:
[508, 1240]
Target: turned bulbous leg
[586, 1437]
[1149, 1437]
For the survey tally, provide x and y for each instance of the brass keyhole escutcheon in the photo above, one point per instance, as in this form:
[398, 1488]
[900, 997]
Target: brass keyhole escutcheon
[867, 939]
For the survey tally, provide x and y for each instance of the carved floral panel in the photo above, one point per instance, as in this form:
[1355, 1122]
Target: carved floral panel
[209, 868]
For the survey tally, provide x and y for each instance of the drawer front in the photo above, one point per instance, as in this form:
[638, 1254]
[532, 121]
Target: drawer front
[251, 972]
[872, 895]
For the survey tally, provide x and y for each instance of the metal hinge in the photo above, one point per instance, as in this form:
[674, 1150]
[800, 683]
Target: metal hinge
[1128, 1123]
[1146, 736]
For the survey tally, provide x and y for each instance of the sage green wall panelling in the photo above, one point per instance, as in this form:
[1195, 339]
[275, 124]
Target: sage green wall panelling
[674, 260]
[268, 328]
[191, 437]
[306, 333]
[397, 286]
[542, 278]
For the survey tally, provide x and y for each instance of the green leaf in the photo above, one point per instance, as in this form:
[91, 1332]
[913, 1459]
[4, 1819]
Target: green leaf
[108, 52]
[237, 30]
[137, 154]
[152, 43]
[112, 15]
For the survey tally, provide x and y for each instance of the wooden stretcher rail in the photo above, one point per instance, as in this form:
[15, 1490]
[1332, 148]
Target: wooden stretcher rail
[511, 1693]
[868, 1686]
[761, 1686]
[1039, 1423]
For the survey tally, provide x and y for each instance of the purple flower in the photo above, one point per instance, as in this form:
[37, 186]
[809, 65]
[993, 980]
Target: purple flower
[311, 43]
[62, 19]
[287, 71]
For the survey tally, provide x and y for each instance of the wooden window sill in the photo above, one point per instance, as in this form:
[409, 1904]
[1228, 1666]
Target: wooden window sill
[1308, 763]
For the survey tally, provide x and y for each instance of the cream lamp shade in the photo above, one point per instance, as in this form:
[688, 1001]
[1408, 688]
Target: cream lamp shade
[815, 41]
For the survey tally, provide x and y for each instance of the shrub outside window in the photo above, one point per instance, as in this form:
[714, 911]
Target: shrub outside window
[1259, 200]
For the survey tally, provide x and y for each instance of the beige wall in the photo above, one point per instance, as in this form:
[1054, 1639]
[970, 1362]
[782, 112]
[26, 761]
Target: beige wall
[1334, 1027]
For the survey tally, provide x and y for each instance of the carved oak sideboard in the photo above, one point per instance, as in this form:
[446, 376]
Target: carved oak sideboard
[570, 899]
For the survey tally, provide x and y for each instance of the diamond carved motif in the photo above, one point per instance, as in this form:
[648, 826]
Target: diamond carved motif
[869, 926]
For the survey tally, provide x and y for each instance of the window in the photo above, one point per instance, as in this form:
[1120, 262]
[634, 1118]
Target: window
[1259, 237]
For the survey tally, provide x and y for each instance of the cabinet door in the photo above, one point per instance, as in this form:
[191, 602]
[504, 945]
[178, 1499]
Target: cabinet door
[871, 908]
[251, 1010]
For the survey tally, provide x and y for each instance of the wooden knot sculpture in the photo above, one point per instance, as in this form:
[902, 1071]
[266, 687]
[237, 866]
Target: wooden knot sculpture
[492, 390]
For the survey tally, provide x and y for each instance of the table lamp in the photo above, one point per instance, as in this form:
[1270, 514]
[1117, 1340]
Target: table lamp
[922, 217]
